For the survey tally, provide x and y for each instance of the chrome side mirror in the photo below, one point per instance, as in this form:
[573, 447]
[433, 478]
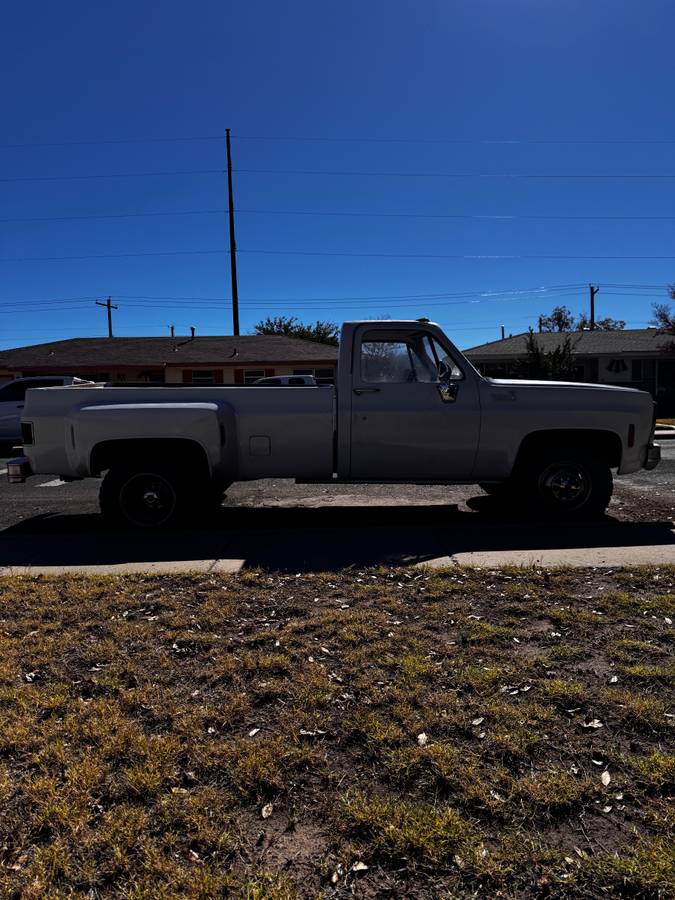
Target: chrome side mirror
[448, 391]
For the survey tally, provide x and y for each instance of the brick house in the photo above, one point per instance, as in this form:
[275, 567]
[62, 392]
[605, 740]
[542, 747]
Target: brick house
[179, 360]
[642, 358]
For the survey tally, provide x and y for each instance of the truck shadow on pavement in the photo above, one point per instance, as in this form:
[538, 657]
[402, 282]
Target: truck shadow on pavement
[316, 539]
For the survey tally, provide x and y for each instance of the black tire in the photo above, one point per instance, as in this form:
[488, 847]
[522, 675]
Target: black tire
[147, 496]
[565, 483]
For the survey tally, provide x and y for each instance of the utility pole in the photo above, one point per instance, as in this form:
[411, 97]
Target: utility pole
[233, 245]
[594, 291]
[109, 306]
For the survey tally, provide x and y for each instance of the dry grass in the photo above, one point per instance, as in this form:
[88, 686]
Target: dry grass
[384, 733]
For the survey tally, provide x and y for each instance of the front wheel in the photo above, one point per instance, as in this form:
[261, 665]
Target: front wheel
[566, 483]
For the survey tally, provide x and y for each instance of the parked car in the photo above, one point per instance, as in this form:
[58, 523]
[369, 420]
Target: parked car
[12, 398]
[407, 407]
[287, 381]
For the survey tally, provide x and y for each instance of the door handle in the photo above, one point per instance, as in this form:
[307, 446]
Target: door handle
[359, 391]
[448, 391]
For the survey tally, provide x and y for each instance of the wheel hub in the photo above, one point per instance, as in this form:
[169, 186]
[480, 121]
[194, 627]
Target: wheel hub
[148, 499]
[566, 484]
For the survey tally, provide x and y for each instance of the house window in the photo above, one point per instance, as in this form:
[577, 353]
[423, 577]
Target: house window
[636, 373]
[321, 376]
[202, 376]
[152, 376]
[251, 375]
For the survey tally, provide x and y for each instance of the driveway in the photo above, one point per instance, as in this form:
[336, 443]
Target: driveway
[280, 525]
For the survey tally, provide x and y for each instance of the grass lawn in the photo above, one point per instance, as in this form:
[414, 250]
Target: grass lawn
[386, 733]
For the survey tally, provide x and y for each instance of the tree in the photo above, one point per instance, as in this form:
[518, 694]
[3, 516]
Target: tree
[291, 326]
[549, 365]
[584, 323]
[559, 319]
[562, 319]
[664, 317]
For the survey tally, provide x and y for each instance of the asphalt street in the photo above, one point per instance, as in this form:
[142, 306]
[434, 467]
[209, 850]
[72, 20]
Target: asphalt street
[278, 524]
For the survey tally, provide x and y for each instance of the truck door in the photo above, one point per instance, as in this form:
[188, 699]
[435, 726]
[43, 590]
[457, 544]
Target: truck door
[415, 410]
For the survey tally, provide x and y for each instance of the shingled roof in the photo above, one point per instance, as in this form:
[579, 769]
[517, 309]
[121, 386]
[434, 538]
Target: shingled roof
[585, 343]
[161, 351]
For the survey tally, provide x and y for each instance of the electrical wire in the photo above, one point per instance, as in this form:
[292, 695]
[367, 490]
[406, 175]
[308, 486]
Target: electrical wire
[482, 257]
[314, 172]
[487, 175]
[346, 140]
[338, 213]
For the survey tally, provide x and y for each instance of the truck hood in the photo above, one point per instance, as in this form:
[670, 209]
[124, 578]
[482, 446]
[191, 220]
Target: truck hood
[576, 385]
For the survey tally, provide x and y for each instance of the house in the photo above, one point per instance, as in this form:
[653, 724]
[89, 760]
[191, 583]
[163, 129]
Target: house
[179, 360]
[641, 358]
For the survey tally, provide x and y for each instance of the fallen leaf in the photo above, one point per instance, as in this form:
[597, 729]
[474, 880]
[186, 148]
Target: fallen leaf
[253, 732]
[614, 679]
[422, 739]
[478, 721]
[594, 723]
[267, 810]
[605, 778]
[359, 867]
[607, 809]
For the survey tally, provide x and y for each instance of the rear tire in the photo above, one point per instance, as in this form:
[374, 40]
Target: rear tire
[565, 483]
[146, 496]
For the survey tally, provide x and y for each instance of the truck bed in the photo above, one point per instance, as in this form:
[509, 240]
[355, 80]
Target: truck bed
[253, 433]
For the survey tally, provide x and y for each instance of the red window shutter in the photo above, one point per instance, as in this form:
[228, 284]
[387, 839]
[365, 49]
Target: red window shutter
[187, 376]
[269, 373]
[217, 376]
[238, 376]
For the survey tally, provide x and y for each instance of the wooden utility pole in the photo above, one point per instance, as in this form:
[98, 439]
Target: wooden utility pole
[109, 305]
[594, 291]
[233, 245]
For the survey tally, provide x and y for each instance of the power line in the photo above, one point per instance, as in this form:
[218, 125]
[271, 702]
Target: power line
[496, 292]
[293, 305]
[483, 257]
[344, 140]
[470, 175]
[488, 175]
[111, 175]
[338, 213]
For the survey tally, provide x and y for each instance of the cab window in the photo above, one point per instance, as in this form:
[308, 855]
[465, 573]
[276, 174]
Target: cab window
[404, 358]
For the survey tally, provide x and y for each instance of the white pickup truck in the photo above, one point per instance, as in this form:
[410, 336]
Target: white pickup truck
[408, 407]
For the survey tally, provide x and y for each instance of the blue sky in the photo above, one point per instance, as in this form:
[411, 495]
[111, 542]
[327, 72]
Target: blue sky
[434, 89]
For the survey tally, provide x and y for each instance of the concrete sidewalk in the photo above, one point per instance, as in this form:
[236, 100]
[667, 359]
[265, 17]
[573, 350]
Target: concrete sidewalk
[550, 557]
